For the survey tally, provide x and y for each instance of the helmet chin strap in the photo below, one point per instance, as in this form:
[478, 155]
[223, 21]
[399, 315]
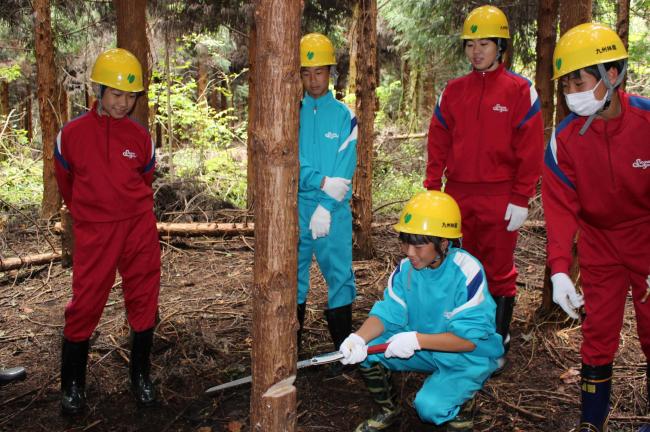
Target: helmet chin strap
[608, 96]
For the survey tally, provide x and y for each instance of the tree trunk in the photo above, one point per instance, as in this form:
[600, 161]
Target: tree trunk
[250, 156]
[132, 35]
[366, 105]
[428, 91]
[46, 85]
[28, 123]
[546, 34]
[4, 97]
[623, 26]
[202, 72]
[275, 146]
[353, 40]
[90, 97]
[64, 105]
[67, 237]
[404, 102]
[572, 13]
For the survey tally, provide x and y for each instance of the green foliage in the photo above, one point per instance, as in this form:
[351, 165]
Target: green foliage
[397, 176]
[21, 181]
[224, 177]
[389, 96]
[10, 73]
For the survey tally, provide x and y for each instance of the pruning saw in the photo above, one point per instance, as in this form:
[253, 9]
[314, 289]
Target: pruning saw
[314, 361]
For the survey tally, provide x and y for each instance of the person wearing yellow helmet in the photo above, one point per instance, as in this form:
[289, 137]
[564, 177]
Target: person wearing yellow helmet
[596, 182]
[104, 169]
[437, 316]
[328, 155]
[486, 143]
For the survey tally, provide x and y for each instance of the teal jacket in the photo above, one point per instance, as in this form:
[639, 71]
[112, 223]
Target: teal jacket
[451, 298]
[328, 147]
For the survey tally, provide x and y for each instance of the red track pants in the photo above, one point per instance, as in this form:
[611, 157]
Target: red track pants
[485, 236]
[129, 246]
[610, 262]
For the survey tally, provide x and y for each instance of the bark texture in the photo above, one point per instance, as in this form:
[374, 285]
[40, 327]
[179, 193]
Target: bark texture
[274, 143]
[132, 36]
[366, 105]
[47, 103]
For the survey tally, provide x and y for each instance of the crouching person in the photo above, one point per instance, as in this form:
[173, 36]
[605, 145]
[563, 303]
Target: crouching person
[104, 169]
[437, 316]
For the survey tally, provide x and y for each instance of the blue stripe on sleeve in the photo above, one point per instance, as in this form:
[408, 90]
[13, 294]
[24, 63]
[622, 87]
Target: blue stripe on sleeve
[531, 112]
[640, 102]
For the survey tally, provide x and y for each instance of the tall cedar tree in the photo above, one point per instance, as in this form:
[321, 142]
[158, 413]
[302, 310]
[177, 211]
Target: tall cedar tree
[275, 145]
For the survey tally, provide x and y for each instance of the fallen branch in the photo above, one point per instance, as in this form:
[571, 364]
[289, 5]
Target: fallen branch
[14, 263]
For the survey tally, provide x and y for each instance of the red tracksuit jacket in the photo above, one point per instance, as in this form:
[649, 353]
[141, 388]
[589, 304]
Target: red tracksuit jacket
[487, 132]
[601, 177]
[105, 167]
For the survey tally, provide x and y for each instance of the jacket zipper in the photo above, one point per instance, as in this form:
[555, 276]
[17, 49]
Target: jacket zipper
[480, 99]
[609, 157]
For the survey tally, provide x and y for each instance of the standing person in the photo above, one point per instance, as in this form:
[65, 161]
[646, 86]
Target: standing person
[486, 139]
[596, 182]
[437, 316]
[105, 163]
[328, 157]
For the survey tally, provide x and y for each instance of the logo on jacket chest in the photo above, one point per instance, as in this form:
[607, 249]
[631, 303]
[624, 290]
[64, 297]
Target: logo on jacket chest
[129, 154]
[643, 164]
[500, 108]
[331, 135]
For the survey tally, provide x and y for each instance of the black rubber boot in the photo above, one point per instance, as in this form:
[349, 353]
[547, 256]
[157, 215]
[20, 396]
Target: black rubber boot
[596, 386]
[143, 389]
[74, 356]
[302, 308]
[379, 383]
[12, 374]
[339, 323]
[505, 306]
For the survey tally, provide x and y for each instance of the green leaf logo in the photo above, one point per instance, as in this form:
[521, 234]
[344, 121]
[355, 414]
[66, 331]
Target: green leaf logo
[310, 55]
[408, 218]
[474, 28]
[130, 78]
[558, 63]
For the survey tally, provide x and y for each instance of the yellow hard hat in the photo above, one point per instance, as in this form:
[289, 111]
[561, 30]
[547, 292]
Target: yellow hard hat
[119, 69]
[316, 50]
[586, 45]
[431, 213]
[486, 22]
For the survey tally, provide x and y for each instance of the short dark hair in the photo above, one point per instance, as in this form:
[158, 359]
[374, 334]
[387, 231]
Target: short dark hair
[593, 69]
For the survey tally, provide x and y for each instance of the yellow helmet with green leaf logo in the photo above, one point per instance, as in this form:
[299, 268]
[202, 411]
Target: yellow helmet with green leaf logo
[431, 213]
[586, 45]
[486, 22]
[316, 50]
[119, 69]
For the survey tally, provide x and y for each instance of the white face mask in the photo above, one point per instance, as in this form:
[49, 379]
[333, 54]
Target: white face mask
[585, 103]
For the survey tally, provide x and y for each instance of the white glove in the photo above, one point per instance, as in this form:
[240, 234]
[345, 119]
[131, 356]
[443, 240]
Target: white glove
[402, 345]
[320, 222]
[565, 294]
[354, 349]
[336, 187]
[516, 215]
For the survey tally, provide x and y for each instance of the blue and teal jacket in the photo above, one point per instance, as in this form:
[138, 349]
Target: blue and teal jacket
[451, 298]
[328, 147]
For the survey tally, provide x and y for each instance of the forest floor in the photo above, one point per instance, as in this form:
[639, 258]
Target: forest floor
[203, 340]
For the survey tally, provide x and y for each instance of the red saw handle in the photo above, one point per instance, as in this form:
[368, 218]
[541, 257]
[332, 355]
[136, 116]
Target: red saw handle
[377, 349]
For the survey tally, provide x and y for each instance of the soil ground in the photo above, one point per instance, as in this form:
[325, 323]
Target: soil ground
[203, 339]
